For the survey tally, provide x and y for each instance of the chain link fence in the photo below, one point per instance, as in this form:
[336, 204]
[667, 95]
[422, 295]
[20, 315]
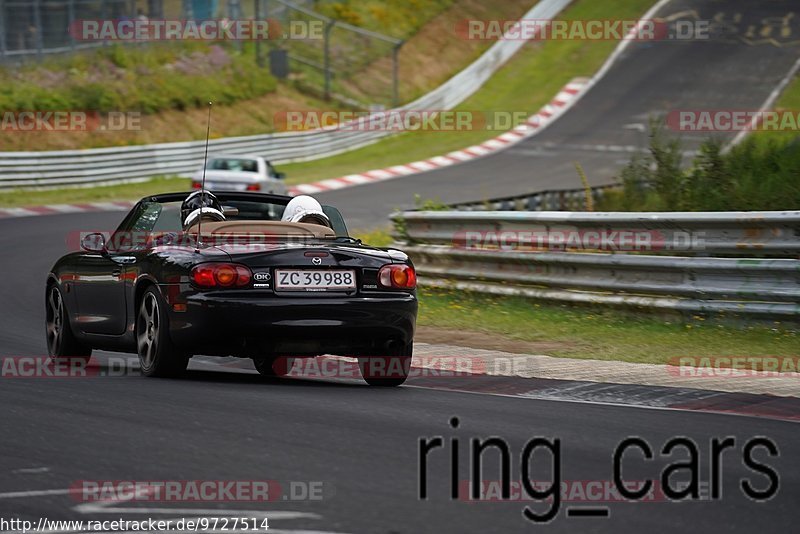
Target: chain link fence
[336, 60]
[36, 27]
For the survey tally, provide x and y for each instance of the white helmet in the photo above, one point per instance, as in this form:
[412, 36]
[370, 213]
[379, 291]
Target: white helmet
[304, 208]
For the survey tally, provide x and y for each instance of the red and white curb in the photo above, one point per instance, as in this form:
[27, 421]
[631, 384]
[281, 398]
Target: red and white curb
[535, 123]
[58, 209]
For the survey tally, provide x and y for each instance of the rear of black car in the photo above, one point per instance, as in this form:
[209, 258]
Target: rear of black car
[297, 299]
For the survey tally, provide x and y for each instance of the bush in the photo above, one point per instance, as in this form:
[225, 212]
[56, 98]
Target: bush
[761, 173]
[148, 79]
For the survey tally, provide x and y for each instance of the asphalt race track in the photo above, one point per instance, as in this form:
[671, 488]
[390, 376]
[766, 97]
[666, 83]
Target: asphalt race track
[650, 78]
[360, 445]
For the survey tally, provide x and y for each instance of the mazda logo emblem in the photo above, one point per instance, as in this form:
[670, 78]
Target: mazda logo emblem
[316, 261]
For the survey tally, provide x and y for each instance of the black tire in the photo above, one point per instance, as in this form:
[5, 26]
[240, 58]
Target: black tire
[61, 342]
[157, 355]
[271, 366]
[391, 370]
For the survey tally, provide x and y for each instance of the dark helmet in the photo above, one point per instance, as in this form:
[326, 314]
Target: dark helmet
[200, 202]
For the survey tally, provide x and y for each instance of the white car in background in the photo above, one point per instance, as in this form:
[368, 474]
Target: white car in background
[240, 173]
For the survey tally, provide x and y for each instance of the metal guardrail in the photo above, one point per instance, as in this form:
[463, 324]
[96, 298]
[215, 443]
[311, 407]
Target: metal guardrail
[745, 233]
[548, 200]
[36, 169]
[627, 259]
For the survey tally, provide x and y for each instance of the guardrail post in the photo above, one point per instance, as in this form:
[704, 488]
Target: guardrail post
[37, 20]
[233, 11]
[71, 18]
[257, 15]
[3, 27]
[327, 62]
[396, 74]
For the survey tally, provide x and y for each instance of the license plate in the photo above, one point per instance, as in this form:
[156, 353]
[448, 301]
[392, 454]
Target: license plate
[314, 280]
[225, 186]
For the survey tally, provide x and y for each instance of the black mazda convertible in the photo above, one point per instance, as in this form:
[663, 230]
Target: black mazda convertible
[251, 286]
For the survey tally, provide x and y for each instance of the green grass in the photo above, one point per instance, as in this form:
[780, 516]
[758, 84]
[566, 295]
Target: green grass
[379, 237]
[133, 191]
[599, 334]
[397, 18]
[789, 100]
[527, 82]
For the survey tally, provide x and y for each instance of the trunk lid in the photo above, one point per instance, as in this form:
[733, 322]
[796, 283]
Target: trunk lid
[295, 255]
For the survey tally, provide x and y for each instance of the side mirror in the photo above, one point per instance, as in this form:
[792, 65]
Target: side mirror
[94, 243]
[279, 175]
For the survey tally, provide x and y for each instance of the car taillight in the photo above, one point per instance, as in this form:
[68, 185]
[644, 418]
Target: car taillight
[254, 187]
[196, 185]
[397, 276]
[225, 275]
[221, 275]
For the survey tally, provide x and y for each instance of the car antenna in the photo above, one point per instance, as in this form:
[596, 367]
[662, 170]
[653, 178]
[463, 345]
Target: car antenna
[203, 184]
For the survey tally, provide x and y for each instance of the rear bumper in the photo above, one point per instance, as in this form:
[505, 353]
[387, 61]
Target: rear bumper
[244, 324]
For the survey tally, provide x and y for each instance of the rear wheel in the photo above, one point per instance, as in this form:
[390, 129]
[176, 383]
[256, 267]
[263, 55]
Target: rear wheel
[391, 370]
[157, 355]
[61, 342]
